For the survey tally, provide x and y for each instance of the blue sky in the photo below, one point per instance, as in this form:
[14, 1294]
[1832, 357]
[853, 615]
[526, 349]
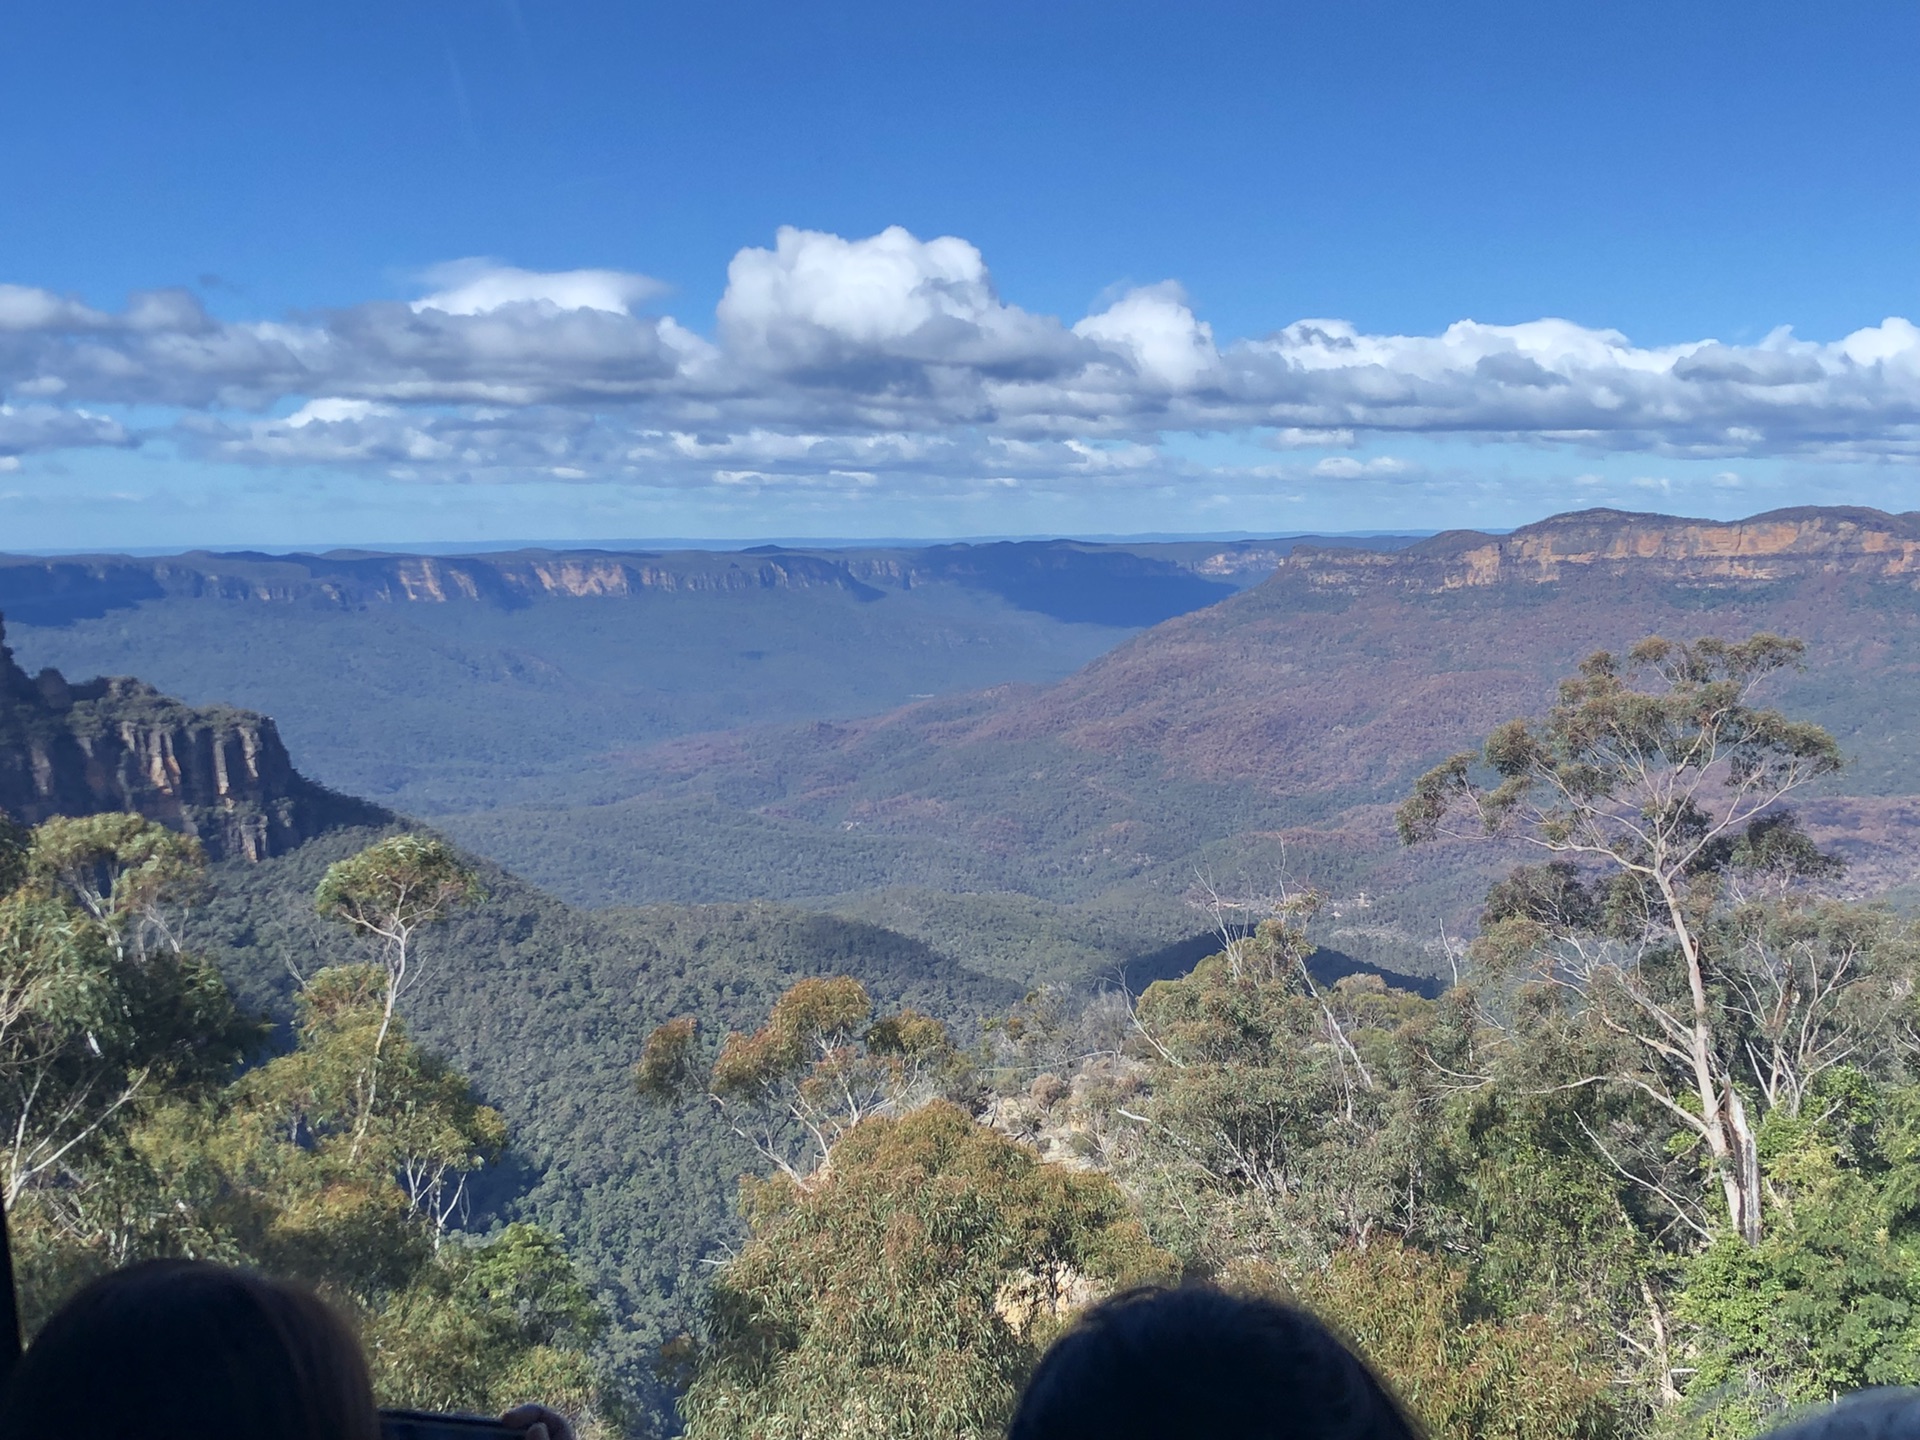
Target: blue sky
[296, 274]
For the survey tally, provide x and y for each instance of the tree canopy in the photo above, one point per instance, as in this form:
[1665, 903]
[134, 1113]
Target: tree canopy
[1663, 777]
[134, 1126]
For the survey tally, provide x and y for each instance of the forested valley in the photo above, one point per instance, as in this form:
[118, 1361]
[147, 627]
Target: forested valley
[1608, 1126]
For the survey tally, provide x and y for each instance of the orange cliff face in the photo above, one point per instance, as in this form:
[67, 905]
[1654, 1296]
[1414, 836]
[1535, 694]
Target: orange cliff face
[1782, 544]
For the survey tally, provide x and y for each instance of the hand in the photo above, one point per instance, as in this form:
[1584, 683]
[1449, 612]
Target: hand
[538, 1422]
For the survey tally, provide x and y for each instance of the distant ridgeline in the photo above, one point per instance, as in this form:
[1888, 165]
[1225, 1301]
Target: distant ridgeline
[1107, 584]
[219, 774]
[1780, 545]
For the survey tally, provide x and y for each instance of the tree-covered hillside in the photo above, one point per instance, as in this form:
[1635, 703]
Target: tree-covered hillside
[1268, 735]
[1644, 1170]
[1641, 1169]
[146, 1116]
[545, 1008]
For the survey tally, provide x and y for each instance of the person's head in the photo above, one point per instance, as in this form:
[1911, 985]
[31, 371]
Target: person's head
[1889, 1414]
[1154, 1364]
[183, 1350]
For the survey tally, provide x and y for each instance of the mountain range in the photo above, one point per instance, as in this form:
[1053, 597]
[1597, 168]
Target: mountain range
[1056, 823]
[1262, 739]
[981, 746]
[446, 685]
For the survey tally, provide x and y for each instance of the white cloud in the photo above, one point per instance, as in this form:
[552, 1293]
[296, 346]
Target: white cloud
[1155, 326]
[475, 286]
[1295, 437]
[896, 357]
[27, 307]
[1346, 467]
[328, 410]
[508, 443]
[30, 429]
[818, 302]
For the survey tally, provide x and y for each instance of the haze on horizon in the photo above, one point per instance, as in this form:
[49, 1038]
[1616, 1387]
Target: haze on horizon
[472, 273]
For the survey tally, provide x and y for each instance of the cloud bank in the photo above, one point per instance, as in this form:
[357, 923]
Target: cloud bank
[857, 363]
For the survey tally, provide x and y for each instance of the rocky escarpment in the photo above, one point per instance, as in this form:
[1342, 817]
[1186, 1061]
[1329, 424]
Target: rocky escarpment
[219, 774]
[43, 590]
[1616, 545]
[1158, 579]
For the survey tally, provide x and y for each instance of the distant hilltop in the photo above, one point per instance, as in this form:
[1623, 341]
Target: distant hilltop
[117, 744]
[1780, 544]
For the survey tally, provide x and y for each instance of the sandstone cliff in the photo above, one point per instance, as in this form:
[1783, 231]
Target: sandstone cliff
[67, 586]
[1779, 545]
[41, 590]
[219, 774]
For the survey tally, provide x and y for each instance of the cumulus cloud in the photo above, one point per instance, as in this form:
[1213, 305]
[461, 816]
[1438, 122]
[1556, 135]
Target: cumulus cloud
[884, 310]
[474, 286]
[892, 358]
[1155, 329]
[30, 429]
[27, 307]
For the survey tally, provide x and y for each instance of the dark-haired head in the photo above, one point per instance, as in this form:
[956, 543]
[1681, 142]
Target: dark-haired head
[1149, 1365]
[1889, 1414]
[183, 1350]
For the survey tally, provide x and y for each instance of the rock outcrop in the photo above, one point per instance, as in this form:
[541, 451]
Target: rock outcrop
[1779, 545]
[219, 774]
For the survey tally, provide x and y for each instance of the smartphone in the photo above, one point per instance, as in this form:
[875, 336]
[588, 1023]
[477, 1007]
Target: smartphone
[429, 1425]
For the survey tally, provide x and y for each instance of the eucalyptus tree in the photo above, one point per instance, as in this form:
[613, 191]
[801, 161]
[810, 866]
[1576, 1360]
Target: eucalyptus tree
[100, 1007]
[1655, 784]
[387, 894]
[903, 1264]
[819, 1066]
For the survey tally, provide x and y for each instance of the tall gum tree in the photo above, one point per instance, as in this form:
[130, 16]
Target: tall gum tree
[100, 1007]
[387, 894]
[1652, 771]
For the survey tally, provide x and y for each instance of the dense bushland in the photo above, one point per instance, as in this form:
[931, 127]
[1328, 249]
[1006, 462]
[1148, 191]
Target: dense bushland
[342, 1160]
[1646, 1170]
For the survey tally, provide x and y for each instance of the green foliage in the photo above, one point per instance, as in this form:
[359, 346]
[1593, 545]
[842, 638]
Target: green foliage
[120, 868]
[101, 1011]
[1467, 1376]
[1671, 1009]
[816, 1068]
[392, 888]
[1621, 764]
[546, 1009]
[1663, 777]
[490, 1326]
[1275, 1119]
[154, 1145]
[906, 1287]
[1334, 1145]
[1829, 1301]
[815, 1021]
